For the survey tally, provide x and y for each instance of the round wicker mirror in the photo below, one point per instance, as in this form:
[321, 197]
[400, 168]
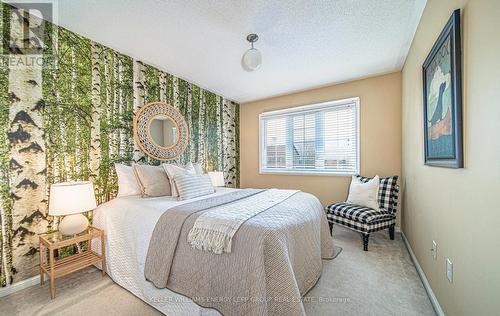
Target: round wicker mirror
[161, 131]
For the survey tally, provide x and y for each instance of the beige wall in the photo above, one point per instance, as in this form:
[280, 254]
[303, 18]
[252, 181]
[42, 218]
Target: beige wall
[459, 209]
[380, 112]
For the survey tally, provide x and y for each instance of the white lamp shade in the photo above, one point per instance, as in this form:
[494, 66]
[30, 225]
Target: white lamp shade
[68, 198]
[217, 178]
[252, 59]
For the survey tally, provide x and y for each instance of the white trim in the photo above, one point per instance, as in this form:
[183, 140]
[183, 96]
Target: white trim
[299, 172]
[18, 286]
[358, 135]
[313, 108]
[425, 282]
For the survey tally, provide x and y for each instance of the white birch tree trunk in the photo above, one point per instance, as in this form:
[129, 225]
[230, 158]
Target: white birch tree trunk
[107, 104]
[202, 132]
[95, 129]
[4, 181]
[139, 78]
[175, 92]
[191, 154]
[78, 156]
[64, 155]
[163, 86]
[59, 152]
[121, 110]
[229, 143]
[5, 219]
[27, 148]
[113, 142]
[63, 160]
[220, 153]
[5, 230]
[225, 140]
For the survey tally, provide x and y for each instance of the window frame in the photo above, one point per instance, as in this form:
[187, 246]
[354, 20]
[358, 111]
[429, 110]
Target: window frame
[301, 110]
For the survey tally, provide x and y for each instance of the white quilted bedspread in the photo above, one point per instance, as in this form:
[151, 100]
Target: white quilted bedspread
[128, 223]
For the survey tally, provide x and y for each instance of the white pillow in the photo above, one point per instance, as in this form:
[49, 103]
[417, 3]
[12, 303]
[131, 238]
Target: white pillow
[193, 185]
[190, 168]
[198, 167]
[173, 171]
[364, 194]
[127, 181]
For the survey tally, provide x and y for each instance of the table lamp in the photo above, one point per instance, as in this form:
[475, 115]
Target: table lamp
[70, 199]
[217, 178]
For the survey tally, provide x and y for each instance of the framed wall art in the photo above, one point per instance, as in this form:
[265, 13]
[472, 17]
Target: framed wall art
[442, 98]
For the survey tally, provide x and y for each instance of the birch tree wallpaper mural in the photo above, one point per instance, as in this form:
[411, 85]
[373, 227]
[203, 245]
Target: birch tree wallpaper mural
[72, 120]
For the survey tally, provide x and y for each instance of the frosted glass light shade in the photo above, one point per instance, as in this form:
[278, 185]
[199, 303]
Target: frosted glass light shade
[217, 178]
[68, 198]
[252, 59]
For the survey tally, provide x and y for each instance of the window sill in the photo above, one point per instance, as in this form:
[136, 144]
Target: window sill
[307, 173]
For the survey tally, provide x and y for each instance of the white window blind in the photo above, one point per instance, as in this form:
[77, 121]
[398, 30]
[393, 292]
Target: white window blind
[313, 139]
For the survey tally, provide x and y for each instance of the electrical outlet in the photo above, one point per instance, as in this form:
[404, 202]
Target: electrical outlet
[449, 270]
[434, 250]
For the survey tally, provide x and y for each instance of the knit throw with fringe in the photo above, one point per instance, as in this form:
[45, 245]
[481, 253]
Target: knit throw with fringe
[213, 231]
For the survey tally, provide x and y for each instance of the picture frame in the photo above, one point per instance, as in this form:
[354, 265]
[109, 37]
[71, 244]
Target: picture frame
[442, 98]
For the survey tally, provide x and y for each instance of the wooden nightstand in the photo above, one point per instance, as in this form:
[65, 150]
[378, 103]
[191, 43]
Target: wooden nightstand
[58, 267]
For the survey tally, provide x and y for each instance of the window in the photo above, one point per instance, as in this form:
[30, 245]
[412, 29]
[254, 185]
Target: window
[312, 139]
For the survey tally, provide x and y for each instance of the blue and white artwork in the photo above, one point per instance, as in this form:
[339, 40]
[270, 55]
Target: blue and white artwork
[442, 85]
[440, 142]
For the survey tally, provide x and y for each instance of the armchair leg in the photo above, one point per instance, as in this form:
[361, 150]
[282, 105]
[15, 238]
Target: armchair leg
[391, 232]
[331, 228]
[365, 241]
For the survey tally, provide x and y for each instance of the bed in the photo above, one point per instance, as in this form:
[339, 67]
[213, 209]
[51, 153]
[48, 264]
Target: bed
[275, 258]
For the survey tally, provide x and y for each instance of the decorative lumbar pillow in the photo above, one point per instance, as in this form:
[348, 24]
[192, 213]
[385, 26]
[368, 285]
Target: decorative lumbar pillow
[193, 185]
[173, 171]
[364, 193]
[127, 181]
[153, 180]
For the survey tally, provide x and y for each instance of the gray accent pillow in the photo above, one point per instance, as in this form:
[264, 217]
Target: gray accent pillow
[193, 185]
[153, 180]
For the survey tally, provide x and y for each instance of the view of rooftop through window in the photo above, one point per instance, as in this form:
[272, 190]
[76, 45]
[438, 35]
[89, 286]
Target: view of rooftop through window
[320, 138]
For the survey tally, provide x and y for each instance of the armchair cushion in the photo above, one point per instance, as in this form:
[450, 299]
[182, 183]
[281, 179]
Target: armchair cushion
[358, 213]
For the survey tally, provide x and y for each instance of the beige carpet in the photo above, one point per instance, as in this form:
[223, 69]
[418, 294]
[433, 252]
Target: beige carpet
[382, 281]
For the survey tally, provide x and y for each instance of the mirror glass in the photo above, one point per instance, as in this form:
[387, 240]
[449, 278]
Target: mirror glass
[163, 131]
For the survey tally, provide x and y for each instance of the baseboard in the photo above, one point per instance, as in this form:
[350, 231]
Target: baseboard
[425, 282]
[18, 286]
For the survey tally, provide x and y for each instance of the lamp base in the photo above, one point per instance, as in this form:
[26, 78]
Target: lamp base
[73, 224]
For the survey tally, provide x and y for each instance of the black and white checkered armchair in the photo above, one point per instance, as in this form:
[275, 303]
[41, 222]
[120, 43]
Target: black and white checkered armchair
[366, 220]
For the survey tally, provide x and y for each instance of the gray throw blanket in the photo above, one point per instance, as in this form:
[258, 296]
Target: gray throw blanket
[214, 230]
[275, 258]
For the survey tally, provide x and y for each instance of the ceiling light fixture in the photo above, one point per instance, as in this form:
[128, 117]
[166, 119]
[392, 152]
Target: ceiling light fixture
[252, 58]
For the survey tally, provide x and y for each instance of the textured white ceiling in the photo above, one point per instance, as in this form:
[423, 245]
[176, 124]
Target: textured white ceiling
[305, 44]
